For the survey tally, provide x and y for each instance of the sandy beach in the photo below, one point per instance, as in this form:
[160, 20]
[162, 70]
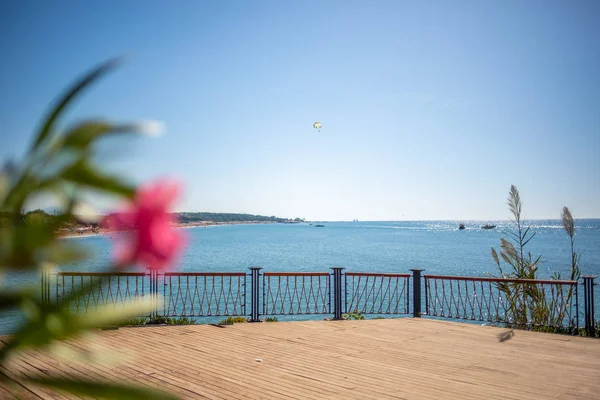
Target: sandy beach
[95, 231]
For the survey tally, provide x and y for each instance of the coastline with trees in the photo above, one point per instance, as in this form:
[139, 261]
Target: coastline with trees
[88, 225]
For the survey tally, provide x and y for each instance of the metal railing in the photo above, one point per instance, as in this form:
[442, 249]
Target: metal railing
[371, 293]
[296, 293]
[114, 289]
[514, 302]
[203, 294]
[588, 299]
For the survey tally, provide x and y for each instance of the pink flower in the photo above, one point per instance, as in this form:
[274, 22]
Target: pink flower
[148, 234]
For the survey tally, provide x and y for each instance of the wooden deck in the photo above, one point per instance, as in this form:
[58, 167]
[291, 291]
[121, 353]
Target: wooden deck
[373, 359]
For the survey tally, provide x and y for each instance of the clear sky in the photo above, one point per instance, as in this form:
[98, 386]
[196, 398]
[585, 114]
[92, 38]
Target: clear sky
[430, 110]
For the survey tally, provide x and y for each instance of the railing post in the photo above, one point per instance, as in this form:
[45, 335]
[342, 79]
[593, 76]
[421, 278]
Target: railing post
[46, 271]
[255, 294]
[153, 279]
[416, 292]
[45, 285]
[337, 293]
[43, 279]
[588, 300]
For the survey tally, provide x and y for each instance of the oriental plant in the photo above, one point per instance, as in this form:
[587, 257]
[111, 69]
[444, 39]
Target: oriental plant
[62, 163]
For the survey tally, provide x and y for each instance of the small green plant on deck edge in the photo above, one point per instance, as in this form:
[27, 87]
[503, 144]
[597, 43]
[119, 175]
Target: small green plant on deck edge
[164, 320]
[135, 321]
[354, 315]
[233, 320]
[271, 319]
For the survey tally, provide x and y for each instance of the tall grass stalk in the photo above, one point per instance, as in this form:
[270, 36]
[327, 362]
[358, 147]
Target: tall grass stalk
[527, 303]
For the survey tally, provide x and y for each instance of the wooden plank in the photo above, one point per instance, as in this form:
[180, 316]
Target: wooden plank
[132, 375]
[17, 368]
[217, 362]
[6, 393]
[391, 358]
[155, 361]
[360, 322]
[214, 369]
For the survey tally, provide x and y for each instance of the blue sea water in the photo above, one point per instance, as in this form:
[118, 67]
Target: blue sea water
[438, 247]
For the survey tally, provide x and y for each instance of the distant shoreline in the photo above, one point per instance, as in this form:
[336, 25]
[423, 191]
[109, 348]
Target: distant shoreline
[94, 231]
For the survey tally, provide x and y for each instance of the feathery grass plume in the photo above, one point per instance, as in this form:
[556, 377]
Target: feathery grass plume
[567, 221]
[523, 234]
[527, 304]
[523, 265]
[569, 225]
[525, 301]
[514, 203]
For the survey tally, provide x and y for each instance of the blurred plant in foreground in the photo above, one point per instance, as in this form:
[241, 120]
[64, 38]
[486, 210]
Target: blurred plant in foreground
[61, 164]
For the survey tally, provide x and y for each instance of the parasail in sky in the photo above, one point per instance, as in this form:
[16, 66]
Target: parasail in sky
[318, 125]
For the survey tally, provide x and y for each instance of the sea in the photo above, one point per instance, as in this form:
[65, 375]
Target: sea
[438, 247]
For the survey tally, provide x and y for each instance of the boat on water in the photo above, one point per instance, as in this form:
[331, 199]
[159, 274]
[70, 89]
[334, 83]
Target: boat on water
[461, 227]
[319, 226]
[488, 226]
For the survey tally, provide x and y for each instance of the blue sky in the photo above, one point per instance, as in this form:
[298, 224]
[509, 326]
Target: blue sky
[430, 110]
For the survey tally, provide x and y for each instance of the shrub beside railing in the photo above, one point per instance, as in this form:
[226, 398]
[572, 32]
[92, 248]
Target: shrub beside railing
[522, 303]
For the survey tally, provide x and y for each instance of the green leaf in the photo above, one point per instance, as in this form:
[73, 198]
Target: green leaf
[16, 195]
[83, 174]
[26, 186]
[27, 240]
[62, 252]
[109, 314]
[22, 245]
[69, 96]
[4, 184]
[49, 322]
[102, 390]
[85, 133]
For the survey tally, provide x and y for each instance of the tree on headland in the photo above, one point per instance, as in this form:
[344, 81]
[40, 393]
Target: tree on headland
[190, 217]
